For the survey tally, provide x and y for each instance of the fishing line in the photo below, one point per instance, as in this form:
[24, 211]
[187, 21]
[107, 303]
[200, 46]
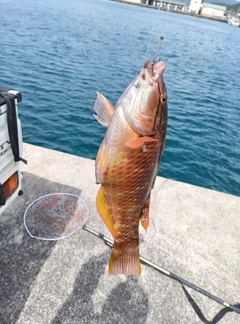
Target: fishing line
[150, 42]
[151, 35]
[124, 135]
[228, 307]
[146, 58]
[118, 159]
[158, 48]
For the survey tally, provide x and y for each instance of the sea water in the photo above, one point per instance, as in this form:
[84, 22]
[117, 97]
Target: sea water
[59, 53]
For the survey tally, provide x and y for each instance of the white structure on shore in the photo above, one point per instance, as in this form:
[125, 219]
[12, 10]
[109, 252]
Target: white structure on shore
[206, 9]
[195, 6]
[210, 9]
[134, 1]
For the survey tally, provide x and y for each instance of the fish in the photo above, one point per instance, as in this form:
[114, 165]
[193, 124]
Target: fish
[128, 160]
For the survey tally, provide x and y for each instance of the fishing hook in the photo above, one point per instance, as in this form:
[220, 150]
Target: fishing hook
[158, 48]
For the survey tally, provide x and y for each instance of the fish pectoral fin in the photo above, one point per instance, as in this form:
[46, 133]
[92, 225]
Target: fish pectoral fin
[145, 214]
[101, 162]
[140, 142]
[104, 110]
[104, 211]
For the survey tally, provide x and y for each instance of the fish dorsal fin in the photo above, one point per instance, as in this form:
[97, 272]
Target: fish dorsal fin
[104, 110]
[104, 211]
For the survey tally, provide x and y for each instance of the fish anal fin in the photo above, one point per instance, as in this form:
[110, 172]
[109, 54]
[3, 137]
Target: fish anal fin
[104, 211]
[127, 263]
[104, 110]
[140, 142]
[145, 215]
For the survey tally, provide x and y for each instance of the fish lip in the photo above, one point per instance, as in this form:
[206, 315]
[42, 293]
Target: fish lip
[155, 69]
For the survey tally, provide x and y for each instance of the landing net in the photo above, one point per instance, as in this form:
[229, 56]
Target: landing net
[55, 216]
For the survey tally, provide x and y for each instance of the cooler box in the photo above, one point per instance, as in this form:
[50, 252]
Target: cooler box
[10, 147]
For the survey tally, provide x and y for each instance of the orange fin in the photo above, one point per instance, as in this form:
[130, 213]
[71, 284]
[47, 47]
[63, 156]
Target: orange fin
[141, 141]
[104, 211]
[145, 215]
[104, 110]
[101, 163]
[127, 263]
[104, 160]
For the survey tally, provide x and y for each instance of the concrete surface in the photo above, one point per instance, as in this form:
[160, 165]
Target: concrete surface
[194, 233]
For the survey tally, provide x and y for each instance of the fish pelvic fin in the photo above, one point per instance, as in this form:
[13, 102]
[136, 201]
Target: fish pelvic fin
[104, 211]
[104, 110]
[145, 214]
[124, 261]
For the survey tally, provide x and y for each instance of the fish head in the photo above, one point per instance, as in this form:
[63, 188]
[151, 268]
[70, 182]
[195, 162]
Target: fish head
[145, 101]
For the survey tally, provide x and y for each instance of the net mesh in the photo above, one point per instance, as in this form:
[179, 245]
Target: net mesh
[55, 216]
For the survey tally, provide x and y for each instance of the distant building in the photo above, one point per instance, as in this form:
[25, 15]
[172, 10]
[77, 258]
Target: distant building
[206, 9]
[134, 1]
[213, 10]
[196, 6]
[170, 5]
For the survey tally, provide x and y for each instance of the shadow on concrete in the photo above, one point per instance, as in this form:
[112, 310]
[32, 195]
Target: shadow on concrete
[126, 303]
[22, 257]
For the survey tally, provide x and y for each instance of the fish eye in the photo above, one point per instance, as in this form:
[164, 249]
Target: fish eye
[163, 98]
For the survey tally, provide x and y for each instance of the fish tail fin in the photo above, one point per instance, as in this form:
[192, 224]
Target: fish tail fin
[124, 261]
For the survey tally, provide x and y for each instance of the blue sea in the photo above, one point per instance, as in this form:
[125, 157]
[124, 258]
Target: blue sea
[58, 53]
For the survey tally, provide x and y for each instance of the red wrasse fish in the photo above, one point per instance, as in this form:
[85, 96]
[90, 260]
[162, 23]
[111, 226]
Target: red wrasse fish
[128, 161]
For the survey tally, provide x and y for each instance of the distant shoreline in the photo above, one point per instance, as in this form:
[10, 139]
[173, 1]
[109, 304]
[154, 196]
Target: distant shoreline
[224, 20]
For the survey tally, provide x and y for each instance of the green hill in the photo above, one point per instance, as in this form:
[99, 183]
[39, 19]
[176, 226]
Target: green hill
[230, 7]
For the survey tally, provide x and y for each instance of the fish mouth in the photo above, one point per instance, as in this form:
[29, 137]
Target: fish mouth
[155, 70]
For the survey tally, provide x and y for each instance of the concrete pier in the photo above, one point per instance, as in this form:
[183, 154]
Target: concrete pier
[193, 232]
